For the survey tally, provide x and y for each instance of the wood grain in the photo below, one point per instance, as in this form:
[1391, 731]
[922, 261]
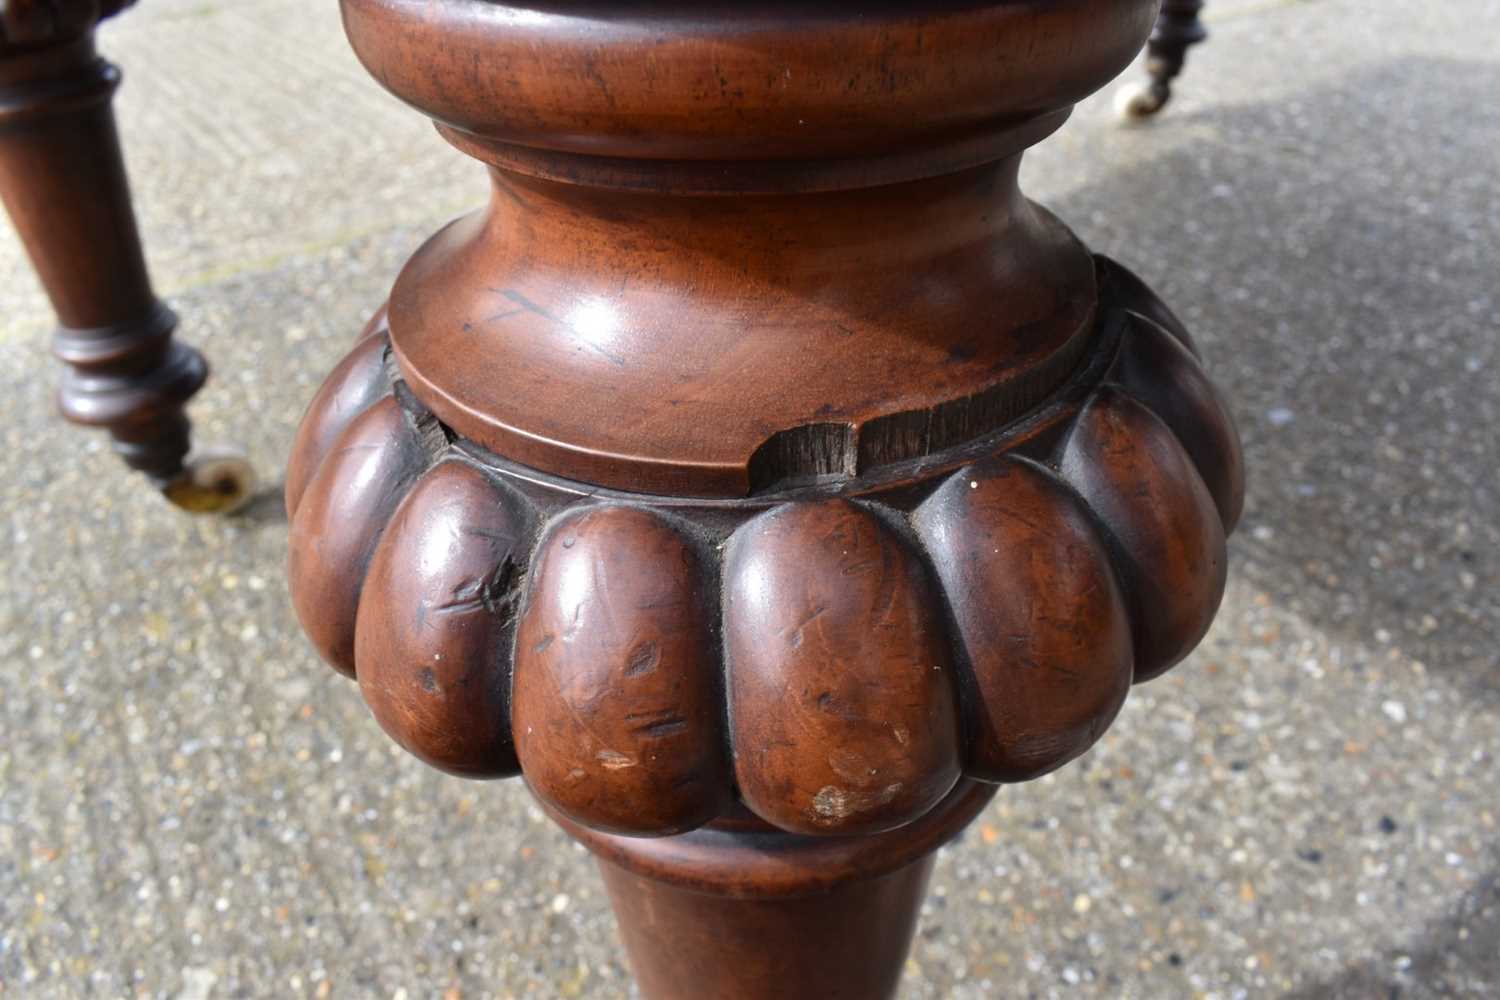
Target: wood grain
[617, 706]
[1169, 543]
[841, 687]
[432, 639]
[341, 518]
[763, 915]
[350, 389]
[63, 184]
[1159, 371]
[1046, 635]
[848, 482]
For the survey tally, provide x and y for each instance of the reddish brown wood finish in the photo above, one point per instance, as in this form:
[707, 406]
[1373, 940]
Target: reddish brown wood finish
[336, 528]
[1126, 464]
[427, 666]
[1040, 615]
[62, 180]
[760, 467]
[350, 389]
[589, 268]
[763, 915]
[669, 323]
[842, 698]
[1043, 596]
[605, 92]
[847, 944]
[1160, 372]
[617, 711]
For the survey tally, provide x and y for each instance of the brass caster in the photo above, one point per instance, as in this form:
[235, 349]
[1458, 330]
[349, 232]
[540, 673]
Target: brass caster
[1138, 101]
[213, 482]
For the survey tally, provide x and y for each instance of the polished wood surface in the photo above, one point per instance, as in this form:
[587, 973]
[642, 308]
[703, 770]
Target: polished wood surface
[604, 90]
[1127, 466]
[851, 647]
[761, 914]
[1039, 612]
[669, 321]
[618, 717]
[842, 702]
[429, 675]
[358, 381]
[749, 949]
[341, 519]
[760, 473]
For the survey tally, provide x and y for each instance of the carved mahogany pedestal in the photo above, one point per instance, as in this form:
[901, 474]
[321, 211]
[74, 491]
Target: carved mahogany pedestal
[760, 474]
[1177, 29]
[62, 179]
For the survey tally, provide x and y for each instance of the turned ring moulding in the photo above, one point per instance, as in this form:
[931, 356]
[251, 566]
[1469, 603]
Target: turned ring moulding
[748, 244]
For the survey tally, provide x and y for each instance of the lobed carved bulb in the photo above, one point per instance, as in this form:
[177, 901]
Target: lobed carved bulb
[835, 656]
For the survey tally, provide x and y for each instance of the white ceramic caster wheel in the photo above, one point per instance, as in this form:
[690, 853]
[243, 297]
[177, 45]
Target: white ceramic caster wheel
[1138, 101]
[214, 482]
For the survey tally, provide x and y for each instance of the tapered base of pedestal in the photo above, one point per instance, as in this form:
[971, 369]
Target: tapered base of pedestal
[745, 912]
[848, 943]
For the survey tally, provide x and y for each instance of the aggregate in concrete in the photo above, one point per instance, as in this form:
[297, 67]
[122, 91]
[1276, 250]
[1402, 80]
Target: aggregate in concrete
[191, 806]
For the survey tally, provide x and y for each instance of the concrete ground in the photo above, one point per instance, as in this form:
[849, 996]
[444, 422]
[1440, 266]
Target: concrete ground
[191, 806]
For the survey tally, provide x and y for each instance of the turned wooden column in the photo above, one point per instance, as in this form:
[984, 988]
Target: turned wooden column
[62, 180]
[759, 474]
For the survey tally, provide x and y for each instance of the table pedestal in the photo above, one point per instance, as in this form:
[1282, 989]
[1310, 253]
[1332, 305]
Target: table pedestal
[759, 473]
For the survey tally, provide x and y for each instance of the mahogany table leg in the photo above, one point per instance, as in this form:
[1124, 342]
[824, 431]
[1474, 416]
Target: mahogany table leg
[760, 473]
[62, 180]
[1178, 28]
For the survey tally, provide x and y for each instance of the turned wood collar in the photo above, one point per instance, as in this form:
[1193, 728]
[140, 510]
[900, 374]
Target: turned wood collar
[735, 247]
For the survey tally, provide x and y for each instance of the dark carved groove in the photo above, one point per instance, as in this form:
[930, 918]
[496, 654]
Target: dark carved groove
[804, 455]
[815, 452]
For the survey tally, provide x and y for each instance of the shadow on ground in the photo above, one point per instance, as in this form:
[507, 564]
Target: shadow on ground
[1346, 305]
[1347, 308]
